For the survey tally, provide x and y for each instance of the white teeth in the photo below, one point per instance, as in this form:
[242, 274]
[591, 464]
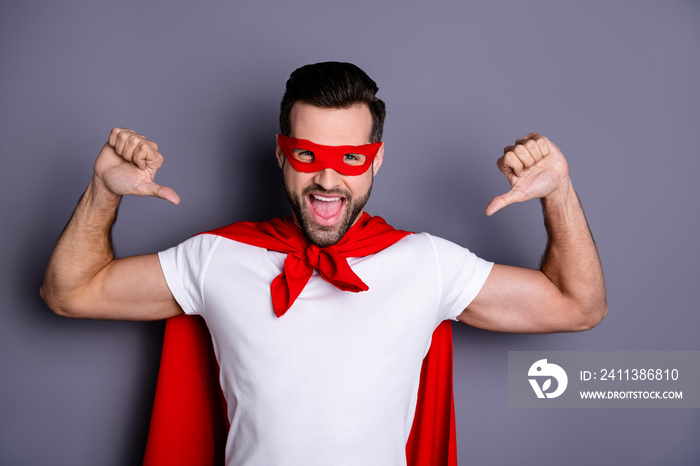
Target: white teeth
[325, 199]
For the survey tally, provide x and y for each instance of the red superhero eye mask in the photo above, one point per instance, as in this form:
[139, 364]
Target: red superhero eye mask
[306, 156]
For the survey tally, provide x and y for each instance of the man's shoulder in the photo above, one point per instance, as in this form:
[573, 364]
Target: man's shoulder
[427, 244]
[239, 228]
[418, 243]
[422, 238]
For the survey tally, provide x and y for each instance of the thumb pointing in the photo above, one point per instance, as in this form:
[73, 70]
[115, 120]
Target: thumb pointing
[163, 192]
[499, 202]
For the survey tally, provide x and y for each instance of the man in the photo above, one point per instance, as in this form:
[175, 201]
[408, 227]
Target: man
[320, 322]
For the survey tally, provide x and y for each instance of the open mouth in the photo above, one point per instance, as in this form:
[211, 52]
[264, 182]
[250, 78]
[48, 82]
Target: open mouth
[327, 209]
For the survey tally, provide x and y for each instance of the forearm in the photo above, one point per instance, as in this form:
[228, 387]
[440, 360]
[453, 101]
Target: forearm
[568, 293]
[83, 249]
[571, 259]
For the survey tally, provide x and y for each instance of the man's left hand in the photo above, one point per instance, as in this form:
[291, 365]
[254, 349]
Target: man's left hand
[535, 168]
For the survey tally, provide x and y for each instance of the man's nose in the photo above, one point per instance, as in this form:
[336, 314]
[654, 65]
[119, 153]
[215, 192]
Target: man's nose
[328, 178]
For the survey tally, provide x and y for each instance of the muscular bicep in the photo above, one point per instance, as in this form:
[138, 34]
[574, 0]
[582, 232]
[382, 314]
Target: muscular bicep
[520, 300]
[131, 288]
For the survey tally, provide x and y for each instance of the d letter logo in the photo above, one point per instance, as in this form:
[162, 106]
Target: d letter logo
[542, 369]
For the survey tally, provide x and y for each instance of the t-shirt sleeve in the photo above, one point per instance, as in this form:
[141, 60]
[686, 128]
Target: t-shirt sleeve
[462, 274]
[184, 267]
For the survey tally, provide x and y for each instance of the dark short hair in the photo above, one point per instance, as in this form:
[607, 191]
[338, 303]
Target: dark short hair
[332, 85]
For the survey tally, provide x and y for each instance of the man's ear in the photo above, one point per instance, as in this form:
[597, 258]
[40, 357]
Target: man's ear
[378, 159]
[278, 153]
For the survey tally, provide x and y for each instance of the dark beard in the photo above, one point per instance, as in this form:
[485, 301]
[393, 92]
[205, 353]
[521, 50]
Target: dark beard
[323, 236]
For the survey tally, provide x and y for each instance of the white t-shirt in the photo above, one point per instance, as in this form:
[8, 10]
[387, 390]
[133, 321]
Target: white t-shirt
[334, 381]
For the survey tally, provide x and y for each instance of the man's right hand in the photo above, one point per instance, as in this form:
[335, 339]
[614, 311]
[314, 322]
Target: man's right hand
[127, 164]
[83, 279]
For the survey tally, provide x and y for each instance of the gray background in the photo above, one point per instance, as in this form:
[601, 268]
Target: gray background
[613, 83]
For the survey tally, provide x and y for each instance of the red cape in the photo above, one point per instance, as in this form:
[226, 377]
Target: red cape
[189, 422]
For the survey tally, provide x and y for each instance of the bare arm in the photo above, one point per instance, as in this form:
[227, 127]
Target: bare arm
[568, 292]
[83, 279]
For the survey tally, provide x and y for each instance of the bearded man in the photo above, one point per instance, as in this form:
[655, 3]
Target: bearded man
[321, 321]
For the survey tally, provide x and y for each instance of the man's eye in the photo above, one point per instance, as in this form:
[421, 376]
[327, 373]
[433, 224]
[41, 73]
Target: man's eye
[303, 155]
[354, 159]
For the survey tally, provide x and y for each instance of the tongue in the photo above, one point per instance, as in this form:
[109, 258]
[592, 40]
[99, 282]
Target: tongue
[326, 209]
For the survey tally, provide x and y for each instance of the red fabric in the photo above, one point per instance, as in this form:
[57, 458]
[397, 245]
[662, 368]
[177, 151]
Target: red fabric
[189, 421]
[368, 236]
[433, 439]
[323, 157]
